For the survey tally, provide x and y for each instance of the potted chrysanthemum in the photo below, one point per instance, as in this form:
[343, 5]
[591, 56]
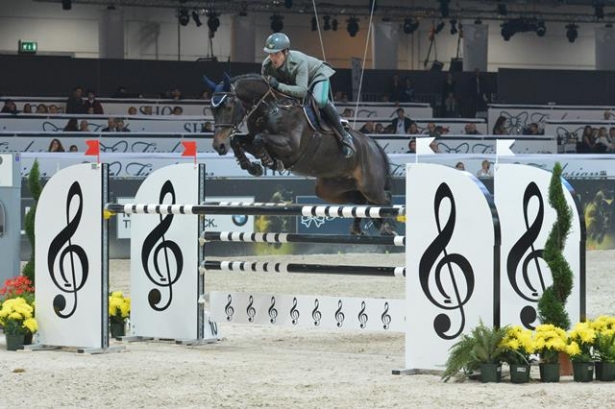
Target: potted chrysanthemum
[604, 347]
[119, 312]
[549, 341]
[17, 318]
[518, 345]
[580, 350]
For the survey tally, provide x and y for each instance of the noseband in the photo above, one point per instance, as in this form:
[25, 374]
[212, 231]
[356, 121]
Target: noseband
[219, 98]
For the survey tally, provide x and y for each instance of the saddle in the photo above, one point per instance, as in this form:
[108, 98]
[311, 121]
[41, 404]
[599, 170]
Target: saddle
[312, 113]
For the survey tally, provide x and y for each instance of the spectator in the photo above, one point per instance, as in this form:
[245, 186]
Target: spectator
[175, 94]
[92, 105]
[396, 90]
[56, 145]
[84, 126]
[485, 170]
[177, 111]
[42, 109]
[460, 166]
[120, 126]
[340, 96]
[498, 128]
[132, 111]
[470, 129]
[27, 109]
[401, 123]
[367, 128]
[53, 109]
[449, 86]
[477, 94]
[207, 127]
[72, 126]
[73, 148]
[348, 113]
[407, 91]
[603, 144]
[451, 110]
[432, 130]
[411, 146]
[74, 104]
[147, 110]
[413, 129]
[608, 115]
[587, 142]
[111, 127]
[9, 107]
[379, 128]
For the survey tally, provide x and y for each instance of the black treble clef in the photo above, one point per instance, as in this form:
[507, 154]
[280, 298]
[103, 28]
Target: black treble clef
[228, 308]
[165, 246]
[363, 316]
[294, 312]
[250, 310]
[273, 312]
[442, 322]
[517, 252]
[385, 317]
[70, 284]
[316, 314]
[339, 315]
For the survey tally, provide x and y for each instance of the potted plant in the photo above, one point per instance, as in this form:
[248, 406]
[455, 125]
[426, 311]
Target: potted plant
[17, 317]
[580, 350]
[119, 311]
[479, 350]
[549, 342]
[604, 348]
[34, 184]
[22, 287]
[518, 345]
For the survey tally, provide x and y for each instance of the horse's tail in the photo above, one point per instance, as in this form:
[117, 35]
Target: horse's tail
[388, 184]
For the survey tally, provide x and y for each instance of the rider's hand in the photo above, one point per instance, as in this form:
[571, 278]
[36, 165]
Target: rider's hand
[273, 82]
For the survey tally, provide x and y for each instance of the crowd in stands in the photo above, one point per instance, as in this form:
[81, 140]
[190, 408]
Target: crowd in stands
[596, 140]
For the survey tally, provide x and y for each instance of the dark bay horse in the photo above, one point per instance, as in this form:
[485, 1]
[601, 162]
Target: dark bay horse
[280, 135]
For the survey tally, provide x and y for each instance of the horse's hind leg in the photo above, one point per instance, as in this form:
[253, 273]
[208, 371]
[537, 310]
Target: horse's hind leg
[341, 191]
[253, 168]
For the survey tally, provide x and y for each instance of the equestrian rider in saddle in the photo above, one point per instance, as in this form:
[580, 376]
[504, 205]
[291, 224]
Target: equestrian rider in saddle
[295, 73]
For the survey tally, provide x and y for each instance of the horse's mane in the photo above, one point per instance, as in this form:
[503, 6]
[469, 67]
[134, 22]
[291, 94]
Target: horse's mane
[250, 76]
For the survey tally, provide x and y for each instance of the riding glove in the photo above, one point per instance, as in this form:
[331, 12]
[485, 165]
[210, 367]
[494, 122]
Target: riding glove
[273, 82]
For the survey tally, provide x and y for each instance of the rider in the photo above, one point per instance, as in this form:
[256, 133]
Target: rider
[294, 73]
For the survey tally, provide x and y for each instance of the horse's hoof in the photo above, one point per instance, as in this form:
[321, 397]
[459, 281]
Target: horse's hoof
[387, 230]
[279, 166]
[356, 232]
[255, 169]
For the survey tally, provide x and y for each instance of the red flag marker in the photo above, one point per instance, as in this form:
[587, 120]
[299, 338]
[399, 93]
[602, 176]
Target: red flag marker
[93, 148]
[189, 149]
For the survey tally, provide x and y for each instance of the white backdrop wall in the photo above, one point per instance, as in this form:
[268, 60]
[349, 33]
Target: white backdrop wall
[152, 33]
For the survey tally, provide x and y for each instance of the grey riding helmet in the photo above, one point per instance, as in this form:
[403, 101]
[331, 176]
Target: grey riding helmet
[276, 42]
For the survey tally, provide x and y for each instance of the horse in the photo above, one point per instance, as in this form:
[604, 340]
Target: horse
[282, 137]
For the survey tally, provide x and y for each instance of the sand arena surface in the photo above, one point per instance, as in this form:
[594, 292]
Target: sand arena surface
[283, 368]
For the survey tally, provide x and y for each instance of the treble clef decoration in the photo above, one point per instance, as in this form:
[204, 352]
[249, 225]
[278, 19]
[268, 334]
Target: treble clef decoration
[339, 315]
[294, 312]
[385, 317]
[273, 312]
[316, 314]
[429, 260]
[228, 308]
[526, 242]
[363, 316]
[250, 310]
[73, 282]
[164, 276]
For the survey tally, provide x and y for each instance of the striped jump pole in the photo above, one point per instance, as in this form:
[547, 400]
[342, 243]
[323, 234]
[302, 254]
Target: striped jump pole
[238, 237]
[282, 267]
[269, 209]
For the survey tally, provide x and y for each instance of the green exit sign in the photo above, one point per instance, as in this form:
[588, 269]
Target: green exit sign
[28, 47]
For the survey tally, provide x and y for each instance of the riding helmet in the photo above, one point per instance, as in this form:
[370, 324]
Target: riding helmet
[276, 42]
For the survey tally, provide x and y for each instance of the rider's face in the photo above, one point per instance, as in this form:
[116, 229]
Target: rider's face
[277, 59]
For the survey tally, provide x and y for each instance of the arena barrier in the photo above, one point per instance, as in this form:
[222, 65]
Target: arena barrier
[459, 235]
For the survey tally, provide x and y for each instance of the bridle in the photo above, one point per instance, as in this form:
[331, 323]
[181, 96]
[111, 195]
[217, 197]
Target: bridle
[219, 98]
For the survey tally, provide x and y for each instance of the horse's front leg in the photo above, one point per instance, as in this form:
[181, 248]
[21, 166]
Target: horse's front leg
[237, 144]
[266, 144]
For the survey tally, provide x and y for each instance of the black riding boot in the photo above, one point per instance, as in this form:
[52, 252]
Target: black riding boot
[333, 117]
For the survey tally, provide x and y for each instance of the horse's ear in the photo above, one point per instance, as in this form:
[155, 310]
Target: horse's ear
[227, 82]
[210, 84]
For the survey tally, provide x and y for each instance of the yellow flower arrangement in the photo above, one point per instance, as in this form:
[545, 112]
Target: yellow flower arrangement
[581, 341]
[604, 345]
[518, 345]
[119, 307]
[549, 341]
[17, 317]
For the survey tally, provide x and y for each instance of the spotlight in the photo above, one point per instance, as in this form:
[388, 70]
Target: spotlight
[440, 27]
[67, 4]
[571, 32]
[196, 18]
[410, 26]
[334, 24]
[353, 26]
[327, 25]
[183, 17]
[277, 24]
[502, 10]
[508, 30]
[288, 4]
[454, 27]
[314, 24]
[444, 10]
[213, 22]
[599, 11]
[541, 29]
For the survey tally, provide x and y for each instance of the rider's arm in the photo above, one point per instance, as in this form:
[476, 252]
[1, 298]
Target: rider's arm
[300, 89]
